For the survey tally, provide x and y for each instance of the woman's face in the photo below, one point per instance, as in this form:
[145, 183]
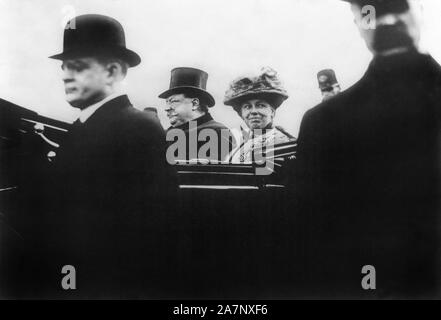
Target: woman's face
[257, 113]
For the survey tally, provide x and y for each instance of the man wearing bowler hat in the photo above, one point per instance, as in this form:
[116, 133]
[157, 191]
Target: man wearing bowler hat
[187, 107]
[110, 179]
[369, 169]
[328, 84]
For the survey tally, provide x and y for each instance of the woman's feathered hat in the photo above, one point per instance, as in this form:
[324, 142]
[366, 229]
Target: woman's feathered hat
[265, 85]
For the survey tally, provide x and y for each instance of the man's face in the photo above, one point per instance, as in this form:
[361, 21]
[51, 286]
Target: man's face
[257, 113]
[85, 80]
[328, 94]
[397, 25]
[180, 109]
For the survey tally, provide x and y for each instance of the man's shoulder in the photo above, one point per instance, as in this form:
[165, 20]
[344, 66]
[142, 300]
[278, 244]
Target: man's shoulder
[136, 121]
[213, 124]
[435, 68]
[426, 63]
[134, 114]
[336, 105]
[335, 113]
[121, 110]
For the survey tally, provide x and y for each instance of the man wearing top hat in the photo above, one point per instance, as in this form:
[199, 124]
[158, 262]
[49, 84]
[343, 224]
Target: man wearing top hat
[328, 84]
[187, 107]
[111, 180]
[369, 170]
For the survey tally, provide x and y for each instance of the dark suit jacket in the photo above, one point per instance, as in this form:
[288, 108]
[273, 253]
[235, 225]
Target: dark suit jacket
[369, 182]
[201, 123]
[11, 260]
[109, 191]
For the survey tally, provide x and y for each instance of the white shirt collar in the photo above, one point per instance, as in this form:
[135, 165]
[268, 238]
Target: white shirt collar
[90, 110]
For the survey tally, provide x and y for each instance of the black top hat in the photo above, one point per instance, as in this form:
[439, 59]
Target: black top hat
[192, 80]
[96, 34]
[326, 79]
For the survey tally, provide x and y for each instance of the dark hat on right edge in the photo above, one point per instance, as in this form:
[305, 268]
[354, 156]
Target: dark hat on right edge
[384, 6]
[191, 80]
[374, 2]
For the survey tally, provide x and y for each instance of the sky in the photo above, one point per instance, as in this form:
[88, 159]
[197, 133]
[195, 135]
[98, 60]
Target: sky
[226, 38]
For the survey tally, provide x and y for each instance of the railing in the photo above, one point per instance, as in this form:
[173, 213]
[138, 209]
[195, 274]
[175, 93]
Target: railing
[201, 174]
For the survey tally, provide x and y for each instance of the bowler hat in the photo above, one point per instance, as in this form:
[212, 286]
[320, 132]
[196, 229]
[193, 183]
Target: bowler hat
[326, 79]
[266, 85]
[192, 80]
[93, 34]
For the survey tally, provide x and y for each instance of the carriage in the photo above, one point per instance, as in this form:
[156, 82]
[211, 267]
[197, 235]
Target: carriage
[236, 223]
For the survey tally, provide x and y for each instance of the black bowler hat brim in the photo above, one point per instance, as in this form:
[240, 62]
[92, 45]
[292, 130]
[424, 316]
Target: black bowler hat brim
[127, 55]
[204, 95]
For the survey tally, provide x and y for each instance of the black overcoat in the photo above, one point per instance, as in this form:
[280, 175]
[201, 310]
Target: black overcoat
[110, 215]
[368, 179]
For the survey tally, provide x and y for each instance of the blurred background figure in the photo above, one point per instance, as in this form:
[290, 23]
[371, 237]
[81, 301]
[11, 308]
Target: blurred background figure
[328, 84]
[368, 165]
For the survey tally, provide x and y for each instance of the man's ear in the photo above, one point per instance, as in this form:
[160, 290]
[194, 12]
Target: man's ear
[273, 112]
[196, 103]
[114, 69]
